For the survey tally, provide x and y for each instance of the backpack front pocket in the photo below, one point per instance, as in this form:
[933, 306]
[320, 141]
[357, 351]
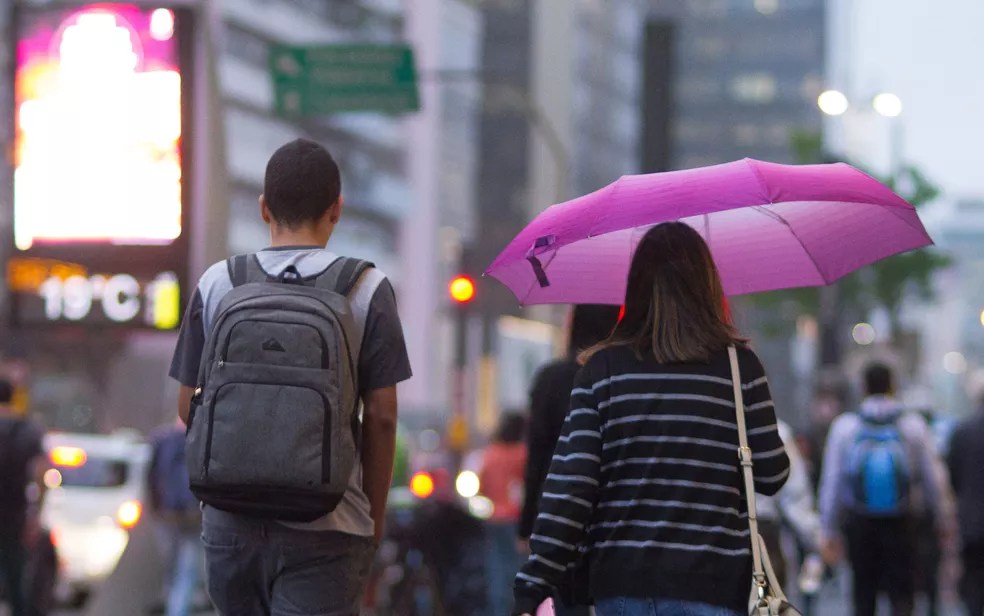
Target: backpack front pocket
[267, 435]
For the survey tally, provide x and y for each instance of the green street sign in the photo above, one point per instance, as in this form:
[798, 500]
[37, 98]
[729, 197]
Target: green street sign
[328, 79]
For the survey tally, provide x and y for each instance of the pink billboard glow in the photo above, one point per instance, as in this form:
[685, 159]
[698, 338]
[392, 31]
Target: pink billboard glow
[98, 128]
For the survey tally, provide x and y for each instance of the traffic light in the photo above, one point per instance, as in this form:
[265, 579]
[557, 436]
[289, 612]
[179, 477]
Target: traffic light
[462, 289]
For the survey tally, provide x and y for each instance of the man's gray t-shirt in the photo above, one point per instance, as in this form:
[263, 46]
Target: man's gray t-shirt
[383, 360]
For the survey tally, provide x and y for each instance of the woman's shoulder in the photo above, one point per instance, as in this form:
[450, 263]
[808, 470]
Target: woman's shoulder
[749, 362]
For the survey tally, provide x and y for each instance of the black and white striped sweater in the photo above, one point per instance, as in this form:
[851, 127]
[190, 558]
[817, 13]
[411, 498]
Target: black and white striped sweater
[645, 481]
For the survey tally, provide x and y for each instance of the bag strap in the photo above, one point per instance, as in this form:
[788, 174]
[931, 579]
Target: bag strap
[745, 459]
[244, 269]
[763, 575]
[343, 275]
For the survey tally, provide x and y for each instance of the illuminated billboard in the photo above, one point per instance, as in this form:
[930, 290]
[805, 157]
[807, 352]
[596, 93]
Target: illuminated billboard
[99, 165]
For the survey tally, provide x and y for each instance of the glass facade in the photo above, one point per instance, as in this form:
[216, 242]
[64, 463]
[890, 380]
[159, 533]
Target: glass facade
[747, 75]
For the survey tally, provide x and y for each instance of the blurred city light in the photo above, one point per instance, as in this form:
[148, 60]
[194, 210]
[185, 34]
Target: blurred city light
[422, 485]
[129, 514]
[982, 318]
[162, 24]
[863, 334]
[52, 478]
[767, 7]
[832, 102]
[68, 456]
[954, 362]
[467, 484]
[888, 105]
[481, 507]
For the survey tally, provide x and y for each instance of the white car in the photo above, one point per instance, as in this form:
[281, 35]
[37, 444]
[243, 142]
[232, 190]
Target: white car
[96, 485]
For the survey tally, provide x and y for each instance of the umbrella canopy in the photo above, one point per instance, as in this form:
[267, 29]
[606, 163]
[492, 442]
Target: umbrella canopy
[769, 226]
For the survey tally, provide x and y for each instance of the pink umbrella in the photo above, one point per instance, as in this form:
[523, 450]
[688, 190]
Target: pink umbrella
[769, 227]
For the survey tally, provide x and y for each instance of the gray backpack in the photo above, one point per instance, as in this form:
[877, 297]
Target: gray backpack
[274, 425]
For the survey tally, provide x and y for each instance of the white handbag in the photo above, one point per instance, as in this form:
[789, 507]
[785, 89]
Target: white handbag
[769, 599]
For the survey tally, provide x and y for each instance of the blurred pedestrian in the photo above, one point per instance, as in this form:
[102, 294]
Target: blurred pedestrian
[792, 508]
[295, 382]
[550, 400]
[501, 481]
[966, 461]
[177, 517]
[875, 461]
[645, 478]
[22, 467]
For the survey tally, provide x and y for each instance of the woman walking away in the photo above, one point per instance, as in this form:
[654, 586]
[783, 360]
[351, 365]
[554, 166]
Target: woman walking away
[501, 481]
[550, 399]
[645, 479]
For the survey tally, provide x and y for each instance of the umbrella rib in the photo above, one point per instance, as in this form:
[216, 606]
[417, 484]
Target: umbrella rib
[779, 218]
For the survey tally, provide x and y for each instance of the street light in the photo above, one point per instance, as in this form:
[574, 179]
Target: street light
[833, 102]
[887, 104]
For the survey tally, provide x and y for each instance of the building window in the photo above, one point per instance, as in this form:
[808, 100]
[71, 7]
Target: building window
[754, 88]
[697, 131]
[245, 46]
[698, 88]
[777, 135]
[811, 87]
[708, 8]
[747, 135]
[709, 47]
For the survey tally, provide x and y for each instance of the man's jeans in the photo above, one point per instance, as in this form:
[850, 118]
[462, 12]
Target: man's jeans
[629, 606]
[260, 567]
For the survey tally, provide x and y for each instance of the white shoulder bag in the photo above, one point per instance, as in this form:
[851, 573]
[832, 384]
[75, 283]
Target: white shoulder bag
[769, 598]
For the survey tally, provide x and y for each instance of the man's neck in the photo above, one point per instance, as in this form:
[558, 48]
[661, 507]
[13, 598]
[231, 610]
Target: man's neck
[300, 237]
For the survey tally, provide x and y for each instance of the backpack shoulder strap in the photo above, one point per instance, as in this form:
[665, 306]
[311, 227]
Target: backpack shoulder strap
[244, 269]
[342, 275]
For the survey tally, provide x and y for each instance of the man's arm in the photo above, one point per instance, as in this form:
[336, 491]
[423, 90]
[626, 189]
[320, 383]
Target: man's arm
[378, 451]
[185, 394]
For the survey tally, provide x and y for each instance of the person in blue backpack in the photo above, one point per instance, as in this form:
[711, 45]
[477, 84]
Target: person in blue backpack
[178, 518]
[874, 462]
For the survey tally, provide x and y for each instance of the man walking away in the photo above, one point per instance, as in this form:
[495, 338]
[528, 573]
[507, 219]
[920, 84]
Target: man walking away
[177, 516]
[873, 461]
[22, 467]
[291, 404]
[966, 459]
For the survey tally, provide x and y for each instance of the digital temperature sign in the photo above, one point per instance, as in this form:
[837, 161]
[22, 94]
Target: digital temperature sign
[100, 165]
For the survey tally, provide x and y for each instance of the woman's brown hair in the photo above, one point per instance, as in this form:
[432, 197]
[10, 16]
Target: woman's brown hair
[675, 309]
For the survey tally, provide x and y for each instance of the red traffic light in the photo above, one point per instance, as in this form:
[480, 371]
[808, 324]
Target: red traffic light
[462, 289]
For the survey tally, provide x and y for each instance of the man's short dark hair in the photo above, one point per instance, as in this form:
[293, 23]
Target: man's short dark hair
[6, 391]
[302, 182]
[878, 379]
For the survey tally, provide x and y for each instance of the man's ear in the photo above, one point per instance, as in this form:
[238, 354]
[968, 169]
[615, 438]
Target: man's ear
[265, 211]
[336, 210]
